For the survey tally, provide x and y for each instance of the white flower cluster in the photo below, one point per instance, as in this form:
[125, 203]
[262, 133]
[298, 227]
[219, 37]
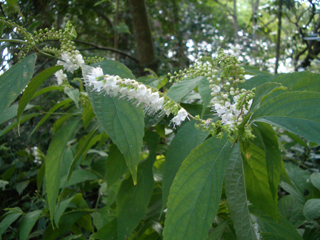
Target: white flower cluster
[229, 113]
[71, 61]
[60, 76]
[146, 97]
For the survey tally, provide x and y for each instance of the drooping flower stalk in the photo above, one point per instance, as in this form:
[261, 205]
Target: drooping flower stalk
[146, 97]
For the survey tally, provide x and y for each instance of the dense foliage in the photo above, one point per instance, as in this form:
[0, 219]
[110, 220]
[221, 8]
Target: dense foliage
[216, 149]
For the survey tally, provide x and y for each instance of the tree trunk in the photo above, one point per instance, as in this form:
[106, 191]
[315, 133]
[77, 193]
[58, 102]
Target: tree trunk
[142, 31]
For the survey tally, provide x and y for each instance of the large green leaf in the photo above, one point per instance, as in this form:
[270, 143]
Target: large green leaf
[14, 80]
[33, 86]
[187, 138]
[278, 229]
[53, 163]
[121, 120]
[116, 165]
[298, 81]
[182, 88]
[256, 176]
[195, 194]
[256, 81]
[292, 210]
[312, 209]
[73, 94]
[274, 161]
[27, 223]
[132, 201]
[107, 232]
[237, 197]
[297, 112]
[262, 91]
[78, 176]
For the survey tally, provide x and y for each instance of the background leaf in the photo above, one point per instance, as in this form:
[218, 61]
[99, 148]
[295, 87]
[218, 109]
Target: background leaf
[32, 87]
[53, 163]
[292, 210]
[132, 201]
[27, 223]
[14, 80]
[196, 190]
[312, 209]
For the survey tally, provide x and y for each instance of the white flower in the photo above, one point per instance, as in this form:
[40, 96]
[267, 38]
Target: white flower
[181, 116]
[94, 75]
[60, 76]
[71, 61]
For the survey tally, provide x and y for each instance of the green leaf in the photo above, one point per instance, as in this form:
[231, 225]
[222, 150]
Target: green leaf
[121, 120]
[40, 176]
[53, 163]
[195, 193]
[303, 188]
[292, 210]
[103, 216]
[281, 227]
[61, 208]
[27, 223]
[73, 94]
[315, 179]
[10, 217]
[256, 177]
[107, 232]
[256, 81]
[47, 89]
[262, 92]
[255, 71]
[15, 123]
[217, 232]
[21, 186]
[237, 197]
[57, 124]
[274, 161]
[65, 223]
[78, 176]
[48, 114]
[312, 209]
[296, 112]
[299, 81]
[187, 138]
[82, 146]
[132, 201]
[87, 115]
[122, 28]
[33, 86]
[14, 80]
[85, 222]
[205, 93]
[11, 112]
[116, 165]
[182, 88]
